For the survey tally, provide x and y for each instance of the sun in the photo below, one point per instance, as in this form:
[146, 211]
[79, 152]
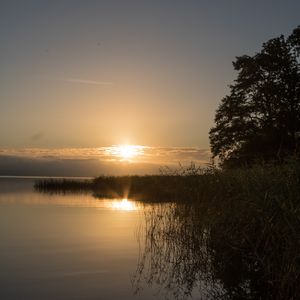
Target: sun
[126, 152]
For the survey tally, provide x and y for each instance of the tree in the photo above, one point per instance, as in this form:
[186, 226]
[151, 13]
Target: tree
[260, 118]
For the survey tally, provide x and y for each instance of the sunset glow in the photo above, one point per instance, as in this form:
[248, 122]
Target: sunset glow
[126, 152]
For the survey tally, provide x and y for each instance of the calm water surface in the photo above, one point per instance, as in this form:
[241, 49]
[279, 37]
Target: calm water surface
[67, 246]
[75, 246]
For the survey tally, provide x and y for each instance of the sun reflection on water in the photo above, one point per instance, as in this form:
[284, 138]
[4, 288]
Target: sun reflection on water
[123, 204]
[70, 200]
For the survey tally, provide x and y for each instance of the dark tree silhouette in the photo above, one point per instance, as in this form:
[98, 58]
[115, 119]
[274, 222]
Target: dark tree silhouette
[260, 118]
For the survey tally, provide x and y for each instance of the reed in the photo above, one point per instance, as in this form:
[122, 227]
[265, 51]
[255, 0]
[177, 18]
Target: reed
[237, 237]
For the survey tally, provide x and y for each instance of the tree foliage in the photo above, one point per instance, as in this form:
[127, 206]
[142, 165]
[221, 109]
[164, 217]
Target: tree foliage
[260, 118]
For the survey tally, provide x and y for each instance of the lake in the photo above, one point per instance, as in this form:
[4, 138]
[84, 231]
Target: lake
[78, 246]
[71, 246]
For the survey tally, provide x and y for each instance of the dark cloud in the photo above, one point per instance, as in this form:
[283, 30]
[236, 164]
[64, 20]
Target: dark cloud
[24, 166]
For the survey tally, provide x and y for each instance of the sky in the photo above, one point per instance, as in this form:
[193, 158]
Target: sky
[91, 74]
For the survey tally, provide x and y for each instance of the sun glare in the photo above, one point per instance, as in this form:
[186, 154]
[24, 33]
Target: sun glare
[126, 152]
[124, 204]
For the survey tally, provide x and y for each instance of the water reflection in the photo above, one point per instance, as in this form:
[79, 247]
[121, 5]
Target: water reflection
[123, 204]
[174, 257]
[73, 201]
[196, 250]
[186, 251]
[66, 246]
[29, 197]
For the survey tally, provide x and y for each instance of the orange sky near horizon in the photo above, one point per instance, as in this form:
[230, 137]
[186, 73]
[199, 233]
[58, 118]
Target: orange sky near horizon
[113, 160]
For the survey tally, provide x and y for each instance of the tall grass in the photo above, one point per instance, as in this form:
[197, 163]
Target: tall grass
[236, 237]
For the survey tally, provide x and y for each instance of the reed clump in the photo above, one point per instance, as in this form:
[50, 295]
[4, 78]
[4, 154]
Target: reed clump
[239, 231]
[61, 185]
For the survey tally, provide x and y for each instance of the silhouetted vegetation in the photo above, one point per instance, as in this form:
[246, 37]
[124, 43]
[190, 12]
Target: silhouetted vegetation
[63, 185]
[149, 188]
[238, 238]
[260, 119]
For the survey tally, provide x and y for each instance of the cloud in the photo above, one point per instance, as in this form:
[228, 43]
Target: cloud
[94, 161]
[85, 81]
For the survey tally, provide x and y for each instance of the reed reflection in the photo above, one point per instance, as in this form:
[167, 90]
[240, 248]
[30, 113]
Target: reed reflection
[189, 251]
[174, 255]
